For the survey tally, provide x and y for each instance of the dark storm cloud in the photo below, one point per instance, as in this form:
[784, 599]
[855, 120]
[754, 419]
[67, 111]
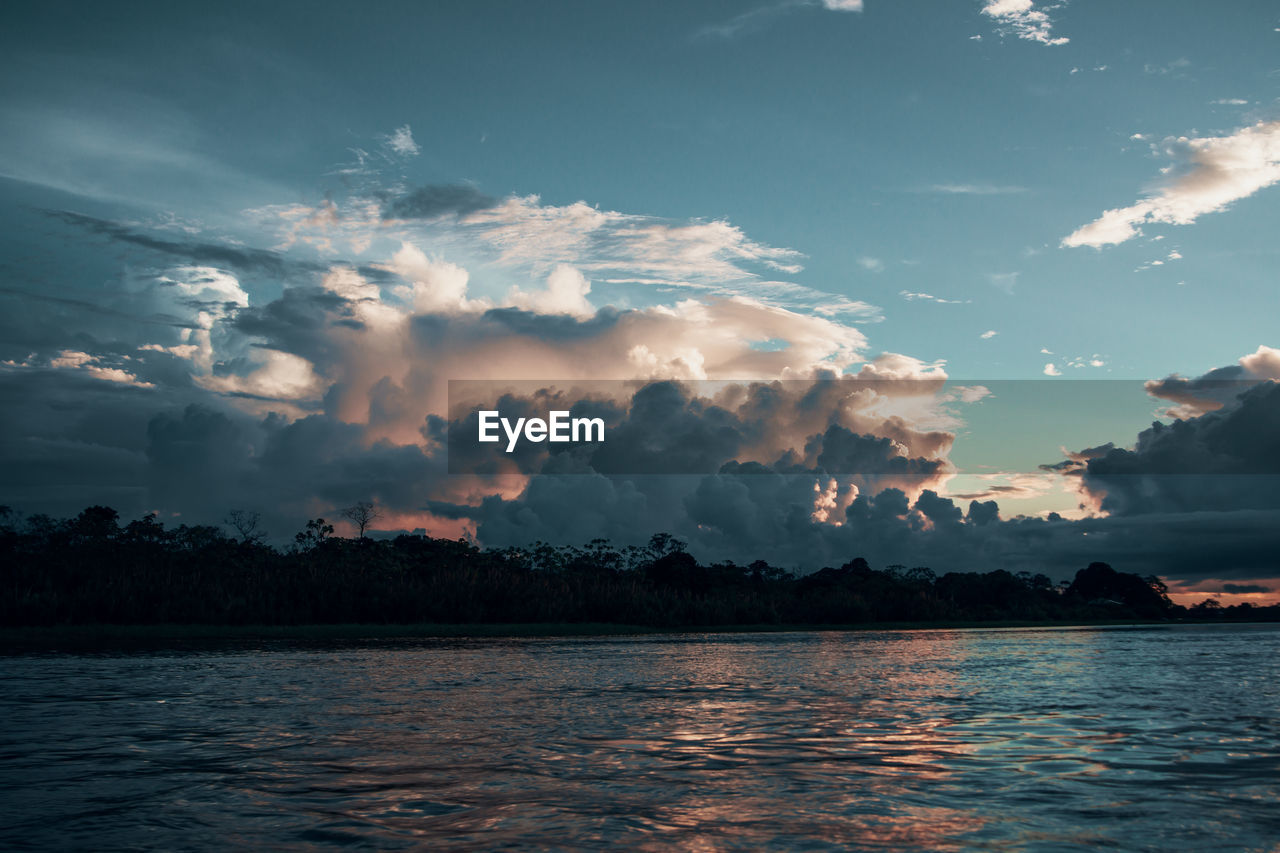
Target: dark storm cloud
[469, 456]
[553, 327]
[437, 200]
[157, 319]
[668, 431]
[841, 489]
[1220, 386]
[1215, 522]
[1245, 588]
[295, 323]
[260, 261]
[78, 440]
[770, 516]
[842, 451]
[204, 461]
[665, 427]
[1203, 393]
[197, 458]
[68, 440]
[755, 514]
[321, 457]
[1222, 460]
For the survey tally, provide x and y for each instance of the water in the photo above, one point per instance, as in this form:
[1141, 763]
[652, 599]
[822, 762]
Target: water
[1135, 739]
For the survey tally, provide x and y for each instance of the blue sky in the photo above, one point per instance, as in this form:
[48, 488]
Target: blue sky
[925, 182]
[900, 148]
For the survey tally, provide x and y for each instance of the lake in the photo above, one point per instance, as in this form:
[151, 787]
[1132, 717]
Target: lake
[1142, 738]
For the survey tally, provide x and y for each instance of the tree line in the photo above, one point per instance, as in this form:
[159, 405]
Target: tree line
[92, 569]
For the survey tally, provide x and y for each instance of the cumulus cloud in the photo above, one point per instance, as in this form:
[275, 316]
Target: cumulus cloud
[988, 334]
[1219, 461]
[300, 378]
[520, 233]
[1220, 455]
[1051, 369]
[1023, 19]
[1218, 387]
[1081, 361]
[566, 293]
[93, 365]
[1209, 173]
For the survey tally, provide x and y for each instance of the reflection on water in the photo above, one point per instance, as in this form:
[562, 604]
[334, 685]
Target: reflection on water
[1151, 738]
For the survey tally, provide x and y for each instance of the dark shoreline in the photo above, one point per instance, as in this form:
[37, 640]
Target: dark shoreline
[17, 640]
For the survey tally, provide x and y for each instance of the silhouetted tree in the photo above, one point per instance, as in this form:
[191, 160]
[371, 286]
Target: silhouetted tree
[246, 524]
[89, 569]
[661, 544]
[96, 522]
[313, 535]
[362, 514]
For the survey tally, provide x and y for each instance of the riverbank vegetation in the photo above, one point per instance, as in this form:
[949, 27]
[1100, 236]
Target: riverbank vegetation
[94, 570]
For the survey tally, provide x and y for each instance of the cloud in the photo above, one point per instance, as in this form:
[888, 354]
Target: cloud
[1080, 361]
[517, 233]
[1217, 388]
[976, 189]
[93, 365]
[758, 18]
[989, 334]
[1023, 19]
[566, 293]
[1221, 456]
[750, 21]
[1006, 485]
[1245, 588]
[301, 378]
[261, 261]
[401, 142]
[1214, 171]
[1051, 370]
[871, 264]
[1174, 67]
[525, 230]
[1005, 281]
[438, 200]
[912, 296]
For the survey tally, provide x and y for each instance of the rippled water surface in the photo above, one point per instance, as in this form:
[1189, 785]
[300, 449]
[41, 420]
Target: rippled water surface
[1145, 738]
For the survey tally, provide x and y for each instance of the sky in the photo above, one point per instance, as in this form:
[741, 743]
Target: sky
[245, 248]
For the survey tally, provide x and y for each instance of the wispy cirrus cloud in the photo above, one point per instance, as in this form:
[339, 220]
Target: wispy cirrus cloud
[401, 142]
[1209, 174]
[974, 189]
[758, 18]
[522, 235]
[916, 296]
